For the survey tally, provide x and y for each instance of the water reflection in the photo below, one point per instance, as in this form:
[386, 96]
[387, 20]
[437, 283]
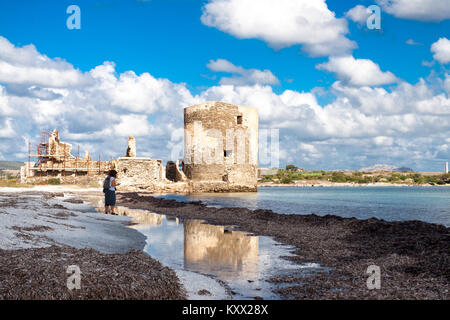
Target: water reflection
[140, 217]
[207, 248]
[216, 249]
[242, 261]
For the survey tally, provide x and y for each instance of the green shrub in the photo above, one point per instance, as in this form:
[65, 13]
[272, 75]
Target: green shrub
[286, 180]
[291, 167]
[54, 181]
[15, 184]
[364, 180]
[267, 179]
[338, 177]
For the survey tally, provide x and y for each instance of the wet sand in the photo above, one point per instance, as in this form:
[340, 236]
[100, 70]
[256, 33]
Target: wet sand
[413, 256]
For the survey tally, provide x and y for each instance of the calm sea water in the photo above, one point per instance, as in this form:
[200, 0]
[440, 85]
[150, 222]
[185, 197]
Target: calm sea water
[429, 204]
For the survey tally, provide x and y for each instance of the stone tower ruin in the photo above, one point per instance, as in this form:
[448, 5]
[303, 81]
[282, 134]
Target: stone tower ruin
[221, 147]
[220, 155]
[131, 150]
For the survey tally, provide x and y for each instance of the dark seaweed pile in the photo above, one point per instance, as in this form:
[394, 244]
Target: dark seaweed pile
[42, 274]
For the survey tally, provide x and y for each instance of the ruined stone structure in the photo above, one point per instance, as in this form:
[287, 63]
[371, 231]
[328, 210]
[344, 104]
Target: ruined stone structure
[55, 160]
[59, 149]
[140, 173]
[131, 150]
[221, 147]
[221, 155]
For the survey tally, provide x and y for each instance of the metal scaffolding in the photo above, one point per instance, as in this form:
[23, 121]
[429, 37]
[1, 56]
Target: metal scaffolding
[62, 163]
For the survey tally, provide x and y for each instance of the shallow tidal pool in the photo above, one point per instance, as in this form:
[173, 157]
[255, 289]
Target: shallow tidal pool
[216, 262]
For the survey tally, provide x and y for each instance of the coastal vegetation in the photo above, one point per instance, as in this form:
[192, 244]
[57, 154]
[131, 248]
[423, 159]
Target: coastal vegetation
[54, 181]
[291, 174]
[13, 183]
[10, 165]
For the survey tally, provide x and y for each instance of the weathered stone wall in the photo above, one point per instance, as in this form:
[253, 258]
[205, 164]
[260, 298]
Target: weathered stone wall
[221, 147]
[172, 187]
[139, 173]
[219, 186]
[58, 148]
[80, 178]
[81, 164]
[74, 172]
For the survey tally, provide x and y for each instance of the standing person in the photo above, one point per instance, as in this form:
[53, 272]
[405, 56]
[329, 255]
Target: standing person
[109, 188]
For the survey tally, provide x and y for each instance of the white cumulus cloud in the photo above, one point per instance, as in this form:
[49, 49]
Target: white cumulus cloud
[281, 23]
[441, 50]
[357, 72]
[358, 14]
[26, 66]
[6, 129]
[421, 10]
[242, 76]
[362, 125]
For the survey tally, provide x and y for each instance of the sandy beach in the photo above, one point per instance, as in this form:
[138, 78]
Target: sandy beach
[46, 229]
[54, 227]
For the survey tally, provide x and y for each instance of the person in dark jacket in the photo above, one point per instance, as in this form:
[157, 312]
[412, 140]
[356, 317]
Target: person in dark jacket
[110, 194]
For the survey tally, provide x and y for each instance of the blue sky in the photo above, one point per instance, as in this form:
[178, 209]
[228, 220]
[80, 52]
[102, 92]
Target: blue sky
[169, 40]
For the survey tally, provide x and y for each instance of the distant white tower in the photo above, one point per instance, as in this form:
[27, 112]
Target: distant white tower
[446, 167]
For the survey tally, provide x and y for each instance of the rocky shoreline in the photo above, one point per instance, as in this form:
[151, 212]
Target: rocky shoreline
[413, 256]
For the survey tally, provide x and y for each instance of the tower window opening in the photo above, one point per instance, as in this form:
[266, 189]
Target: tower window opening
[239, 119]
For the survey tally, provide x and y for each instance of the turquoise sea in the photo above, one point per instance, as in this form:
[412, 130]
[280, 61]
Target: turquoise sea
[429, 204]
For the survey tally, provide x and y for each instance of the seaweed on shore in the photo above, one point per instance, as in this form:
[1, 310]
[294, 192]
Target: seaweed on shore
[42, 274]
[414, 256]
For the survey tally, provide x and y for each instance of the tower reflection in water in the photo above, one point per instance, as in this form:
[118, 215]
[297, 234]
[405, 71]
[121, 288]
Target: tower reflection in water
[215, 249]
[209, 249]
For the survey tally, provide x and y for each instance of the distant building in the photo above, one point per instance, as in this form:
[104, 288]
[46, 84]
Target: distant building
[446, 168]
